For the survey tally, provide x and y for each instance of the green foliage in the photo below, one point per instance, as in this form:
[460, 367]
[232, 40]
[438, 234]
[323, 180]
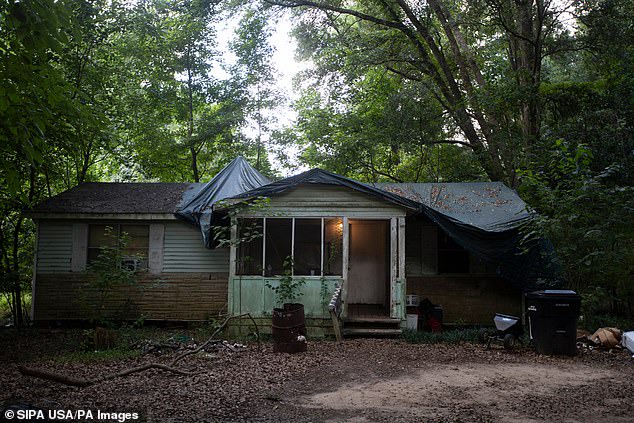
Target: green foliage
[453, 336]
[288, 289]
[324, 296]
[384, 129]
[108, 274]
[587, 215]
[93, 356]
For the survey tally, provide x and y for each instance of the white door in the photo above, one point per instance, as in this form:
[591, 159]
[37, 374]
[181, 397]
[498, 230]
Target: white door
[367, 274]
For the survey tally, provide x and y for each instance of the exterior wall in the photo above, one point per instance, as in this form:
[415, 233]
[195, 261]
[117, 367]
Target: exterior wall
[184, 251]
[326, 201]
[190, 282]
[468, 299]
[170, 296]
[249, 294]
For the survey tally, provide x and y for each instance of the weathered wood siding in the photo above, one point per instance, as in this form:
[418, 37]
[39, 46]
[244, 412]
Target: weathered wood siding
[54, 247]
[169, 296]
[468, 299]
[184, 251]
[325, 200]
[250, 294]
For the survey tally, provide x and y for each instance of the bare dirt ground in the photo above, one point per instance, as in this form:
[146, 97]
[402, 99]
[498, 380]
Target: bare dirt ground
[355, 381]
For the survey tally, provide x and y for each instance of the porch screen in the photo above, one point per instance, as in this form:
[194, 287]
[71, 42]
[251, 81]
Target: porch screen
[249, 255]
[333, 246]
[307, 252]
[278, 242]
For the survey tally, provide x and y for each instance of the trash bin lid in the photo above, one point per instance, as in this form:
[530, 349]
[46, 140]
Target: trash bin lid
[559, 292]
[553, 293]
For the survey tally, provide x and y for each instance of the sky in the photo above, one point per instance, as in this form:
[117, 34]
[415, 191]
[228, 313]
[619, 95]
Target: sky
[286, 68]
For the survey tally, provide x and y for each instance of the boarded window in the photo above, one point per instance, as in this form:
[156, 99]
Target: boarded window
[333, 246]
[250, 233]
[133, 241]
[307, 254]
[278, 238]
[452, 258]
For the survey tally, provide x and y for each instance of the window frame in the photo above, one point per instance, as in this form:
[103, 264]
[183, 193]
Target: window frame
[144, 261]
[294, 220]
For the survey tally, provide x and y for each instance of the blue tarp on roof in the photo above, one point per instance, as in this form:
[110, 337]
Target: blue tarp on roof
[488, 219]
[235, 178]
[485, 218]
[490, 206]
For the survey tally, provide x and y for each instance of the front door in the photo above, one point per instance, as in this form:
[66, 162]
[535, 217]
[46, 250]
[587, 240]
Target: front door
[368, 277]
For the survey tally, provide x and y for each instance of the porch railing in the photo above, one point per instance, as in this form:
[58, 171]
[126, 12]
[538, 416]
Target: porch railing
[336, 308]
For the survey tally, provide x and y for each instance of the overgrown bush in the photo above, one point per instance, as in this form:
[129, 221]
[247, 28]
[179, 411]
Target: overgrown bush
[588, 216]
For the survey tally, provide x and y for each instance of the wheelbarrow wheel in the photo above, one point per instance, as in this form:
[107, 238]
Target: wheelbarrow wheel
[483, 335]
[509, 341]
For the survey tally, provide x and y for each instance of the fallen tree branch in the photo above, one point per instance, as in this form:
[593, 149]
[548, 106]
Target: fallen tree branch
[79, 382]
[72, 381]
[213, 335]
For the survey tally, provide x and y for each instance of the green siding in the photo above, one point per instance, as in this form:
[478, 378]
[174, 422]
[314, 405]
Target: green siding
[54, 247]
[249, 294]
[184, 251]
[324, 201]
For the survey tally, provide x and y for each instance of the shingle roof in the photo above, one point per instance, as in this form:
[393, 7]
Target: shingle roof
[491, 206]
[117, 198]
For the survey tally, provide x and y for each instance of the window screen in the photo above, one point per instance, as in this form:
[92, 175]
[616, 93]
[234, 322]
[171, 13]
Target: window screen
[307, 252]
[278, 237]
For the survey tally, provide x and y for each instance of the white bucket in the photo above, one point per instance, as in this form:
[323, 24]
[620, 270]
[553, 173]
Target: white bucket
[412, 321]
[412, 300]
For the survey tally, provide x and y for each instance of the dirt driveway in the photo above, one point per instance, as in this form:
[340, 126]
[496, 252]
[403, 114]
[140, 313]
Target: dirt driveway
[355, 381]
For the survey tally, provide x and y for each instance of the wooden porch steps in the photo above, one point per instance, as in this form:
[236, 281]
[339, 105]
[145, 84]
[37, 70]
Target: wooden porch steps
[370, 332]
[370, 326]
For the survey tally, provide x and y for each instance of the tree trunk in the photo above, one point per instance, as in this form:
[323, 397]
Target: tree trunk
[190, 118]
[18, 318]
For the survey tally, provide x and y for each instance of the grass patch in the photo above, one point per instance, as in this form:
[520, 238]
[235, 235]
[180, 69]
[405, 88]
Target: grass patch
[95, 356]
[452, 336]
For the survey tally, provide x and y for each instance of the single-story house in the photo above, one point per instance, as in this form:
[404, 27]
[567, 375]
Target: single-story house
[456, 244]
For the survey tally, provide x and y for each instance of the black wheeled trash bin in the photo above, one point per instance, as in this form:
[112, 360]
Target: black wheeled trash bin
[552, 321]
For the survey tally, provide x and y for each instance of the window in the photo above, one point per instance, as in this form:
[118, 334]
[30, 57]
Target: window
[278, 235]
[264, 245]
[333, 246]
[249, 247]
[307, 252]
[452, 258]
[132, 240]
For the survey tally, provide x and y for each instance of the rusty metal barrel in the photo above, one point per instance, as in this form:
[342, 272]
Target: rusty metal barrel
[289, 329]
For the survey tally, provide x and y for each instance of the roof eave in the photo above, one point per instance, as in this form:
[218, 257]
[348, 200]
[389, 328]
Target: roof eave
[100, 216]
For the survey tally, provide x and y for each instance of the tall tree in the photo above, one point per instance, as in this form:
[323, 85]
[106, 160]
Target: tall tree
[439, 44]
[254, 71]
[33, 98]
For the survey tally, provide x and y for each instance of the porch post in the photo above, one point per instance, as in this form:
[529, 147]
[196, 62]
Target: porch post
[232, 265]
[394, 292]
[402, 281]
[345, 263]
